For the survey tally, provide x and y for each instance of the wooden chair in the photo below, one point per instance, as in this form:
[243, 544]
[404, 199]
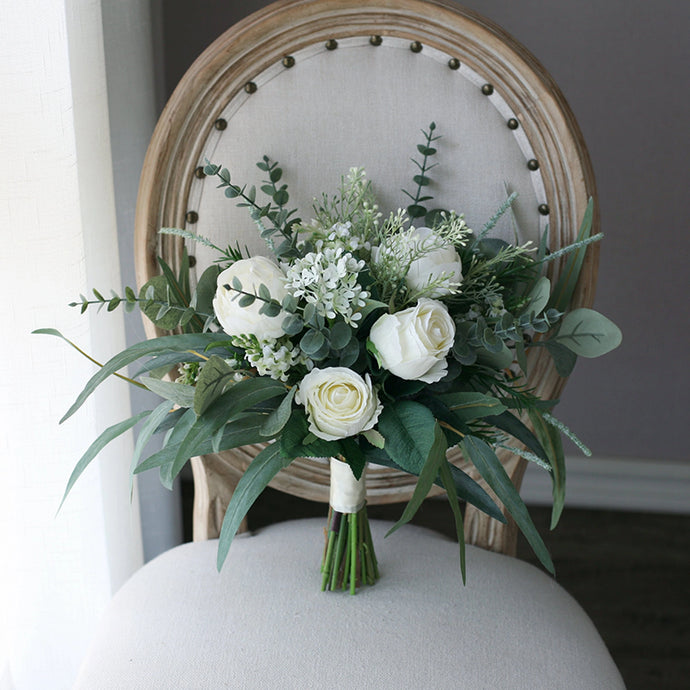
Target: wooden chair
[322, 86]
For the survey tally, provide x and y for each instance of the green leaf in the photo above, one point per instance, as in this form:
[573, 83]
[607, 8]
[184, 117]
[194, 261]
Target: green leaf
[277, 419]
[341, 334]
[292, 324]
[416, 210]
[471, 405]
[496, 360]
[156, 291]
[550, 438]
[507, 421]
[293, 440]
[468, 490]
[177, 435]
[538, 296]
[354, 456]
[260, 472]
[588, 333]
[449, 485]
[429, 473]
[491, 470]
[242, 431]
[178, 393]
[281, 197]
[371, 305]
[240, 397]
[350, 353]
[471, 492]
[409, 430]
[312, 342]
[567, 280]
[97, 446]
[206, 289]
[563, 358]
[149, 428]
[168, 343]
[214, 378]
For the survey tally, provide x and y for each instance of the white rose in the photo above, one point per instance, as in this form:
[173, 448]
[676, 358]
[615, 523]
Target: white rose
[440, 264]
[339, 402]
[237, 320]
[413, 343]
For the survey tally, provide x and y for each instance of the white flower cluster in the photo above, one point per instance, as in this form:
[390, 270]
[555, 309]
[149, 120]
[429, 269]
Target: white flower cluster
[328, 280]
[342, 236]
[272, 357]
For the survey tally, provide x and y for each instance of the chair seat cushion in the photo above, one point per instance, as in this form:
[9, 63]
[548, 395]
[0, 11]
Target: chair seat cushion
[264, 623]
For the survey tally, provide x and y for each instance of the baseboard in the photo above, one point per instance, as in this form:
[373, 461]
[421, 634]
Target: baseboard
[615, 484]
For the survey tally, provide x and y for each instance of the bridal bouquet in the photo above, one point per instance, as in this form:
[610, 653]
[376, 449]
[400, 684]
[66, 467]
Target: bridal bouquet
[362, 338]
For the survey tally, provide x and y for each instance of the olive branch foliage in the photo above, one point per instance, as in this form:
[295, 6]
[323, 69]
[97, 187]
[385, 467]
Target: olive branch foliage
[505, 306]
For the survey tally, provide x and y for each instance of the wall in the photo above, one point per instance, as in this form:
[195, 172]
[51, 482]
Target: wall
[622, 65]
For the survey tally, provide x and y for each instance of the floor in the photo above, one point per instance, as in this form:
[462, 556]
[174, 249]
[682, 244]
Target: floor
[629, 571]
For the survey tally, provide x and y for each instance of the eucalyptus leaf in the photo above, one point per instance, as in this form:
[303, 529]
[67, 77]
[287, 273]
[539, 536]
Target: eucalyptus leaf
[178, 433]
[563, 358]
[149, 428]
[260, 472]
[178, 393]
[168, 343]
[277, 419]
[155, 291]
[448, 484]
[538, 297]
[588, 333]
[215, 376]
[567, 280]
[550, 439]
[242, 431]
[491, 470]
[206, 289]
[97, 446]
[471, 405]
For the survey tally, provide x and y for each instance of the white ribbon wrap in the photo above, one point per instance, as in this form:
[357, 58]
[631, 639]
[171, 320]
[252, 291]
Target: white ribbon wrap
[348, 495]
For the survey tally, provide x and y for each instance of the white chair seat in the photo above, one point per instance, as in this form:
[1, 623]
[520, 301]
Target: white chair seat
[264, 623]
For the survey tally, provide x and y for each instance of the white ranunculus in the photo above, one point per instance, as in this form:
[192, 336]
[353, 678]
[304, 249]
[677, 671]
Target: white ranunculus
[413, 343]
[339, 402]
[237, 320]
[441, 264]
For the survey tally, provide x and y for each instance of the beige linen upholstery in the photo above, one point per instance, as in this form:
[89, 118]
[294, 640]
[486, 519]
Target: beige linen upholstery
[263, 623]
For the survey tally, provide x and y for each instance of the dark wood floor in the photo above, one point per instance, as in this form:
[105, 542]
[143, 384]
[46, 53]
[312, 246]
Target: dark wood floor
[629, 571]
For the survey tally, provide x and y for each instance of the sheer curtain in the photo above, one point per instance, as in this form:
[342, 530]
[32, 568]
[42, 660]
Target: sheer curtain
[59, 239]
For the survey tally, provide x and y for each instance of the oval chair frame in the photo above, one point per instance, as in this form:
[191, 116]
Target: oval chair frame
[263, 39]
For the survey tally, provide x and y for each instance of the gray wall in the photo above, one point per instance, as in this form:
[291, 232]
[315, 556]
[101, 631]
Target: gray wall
[624, 66]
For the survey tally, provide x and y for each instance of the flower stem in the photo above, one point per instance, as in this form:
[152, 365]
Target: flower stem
[349, 560]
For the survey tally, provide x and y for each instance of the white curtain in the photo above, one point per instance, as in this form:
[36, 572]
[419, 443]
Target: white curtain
[58, 240]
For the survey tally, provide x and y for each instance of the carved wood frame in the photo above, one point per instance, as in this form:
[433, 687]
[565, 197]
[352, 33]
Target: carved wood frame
[263, 39]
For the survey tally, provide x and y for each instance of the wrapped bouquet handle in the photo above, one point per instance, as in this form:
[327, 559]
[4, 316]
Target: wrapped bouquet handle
[349, 559]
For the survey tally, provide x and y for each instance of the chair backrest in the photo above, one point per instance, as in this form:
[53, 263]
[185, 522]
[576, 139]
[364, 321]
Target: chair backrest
[325, 85]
